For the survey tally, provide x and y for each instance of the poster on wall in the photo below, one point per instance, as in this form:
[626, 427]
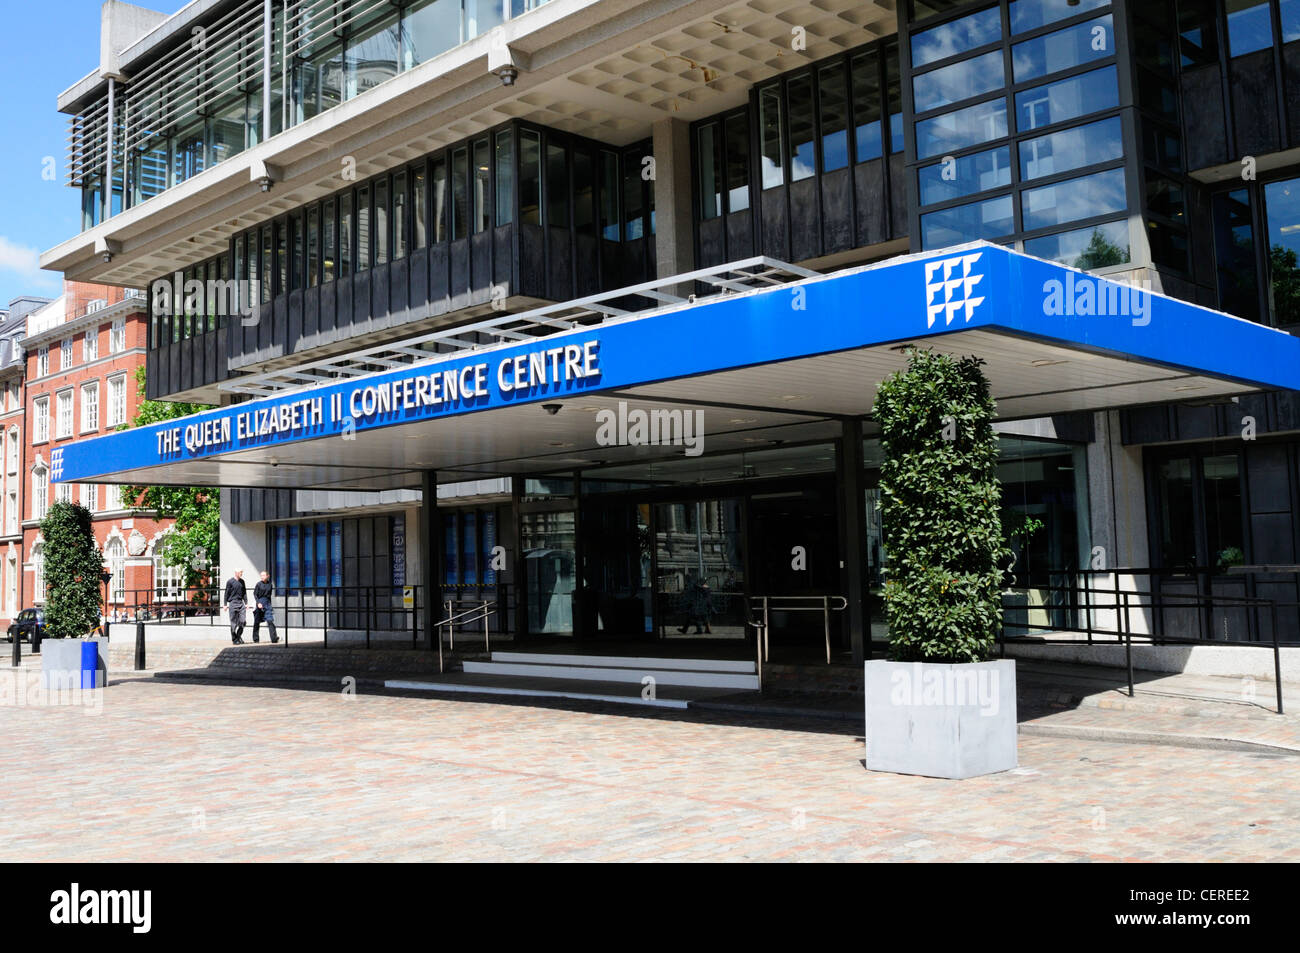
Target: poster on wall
[336, 553]
[469, 545]
[399, 550]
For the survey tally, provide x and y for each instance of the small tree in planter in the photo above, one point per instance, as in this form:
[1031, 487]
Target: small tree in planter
[72, 567]
[940, 509]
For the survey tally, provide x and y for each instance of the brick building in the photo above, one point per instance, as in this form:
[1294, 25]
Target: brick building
[82, 352]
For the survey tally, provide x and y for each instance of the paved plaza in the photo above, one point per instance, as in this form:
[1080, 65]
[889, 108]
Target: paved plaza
[174, 771]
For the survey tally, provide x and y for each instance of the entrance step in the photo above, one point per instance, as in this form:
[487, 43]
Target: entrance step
[619, 693]
[694, 673]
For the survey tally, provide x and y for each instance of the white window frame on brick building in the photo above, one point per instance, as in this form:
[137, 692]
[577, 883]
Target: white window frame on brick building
[65, 354]
[63, 423]
[90, 496]
[117, 336]
[38, 572]
[40, 491]
[42, 361]
[11, 450]
[63, 493]
[41, 419]
[117, 400]
[90, 346]
[89, 406]
[115, 557]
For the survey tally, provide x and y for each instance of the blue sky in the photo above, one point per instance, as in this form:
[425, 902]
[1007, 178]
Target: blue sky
[51, 44]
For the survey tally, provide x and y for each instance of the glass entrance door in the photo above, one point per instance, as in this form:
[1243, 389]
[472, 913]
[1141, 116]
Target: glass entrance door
[700, 569]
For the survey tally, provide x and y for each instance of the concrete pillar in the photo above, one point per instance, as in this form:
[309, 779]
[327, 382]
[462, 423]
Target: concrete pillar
[1118, 517]
[243, 546]
[674, 241]
[430, 536]
[853, 538]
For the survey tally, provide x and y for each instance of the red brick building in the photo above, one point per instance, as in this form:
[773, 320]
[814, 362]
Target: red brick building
[82, 353]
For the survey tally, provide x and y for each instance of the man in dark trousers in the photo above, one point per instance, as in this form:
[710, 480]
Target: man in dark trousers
[262, 611]
[236, 600]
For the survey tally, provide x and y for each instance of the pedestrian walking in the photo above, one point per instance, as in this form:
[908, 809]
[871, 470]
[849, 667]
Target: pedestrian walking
[262, 610]
[236, 601]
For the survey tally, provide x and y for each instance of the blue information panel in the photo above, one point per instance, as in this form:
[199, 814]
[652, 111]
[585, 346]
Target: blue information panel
[489, 544]
[336, 553]
[399, 550]
[469, 548]
[450, 551]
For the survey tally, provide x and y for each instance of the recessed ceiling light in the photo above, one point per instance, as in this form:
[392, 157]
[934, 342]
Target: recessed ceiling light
[558, 443]
[1046, 363]
[794, 396]
[1190, 387]
[743, 420]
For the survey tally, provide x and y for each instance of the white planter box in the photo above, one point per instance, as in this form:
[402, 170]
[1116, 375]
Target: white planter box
[941, 720]
[61, 664]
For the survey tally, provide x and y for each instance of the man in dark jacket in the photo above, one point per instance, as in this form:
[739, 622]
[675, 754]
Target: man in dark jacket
[262, 610]
[236, 600]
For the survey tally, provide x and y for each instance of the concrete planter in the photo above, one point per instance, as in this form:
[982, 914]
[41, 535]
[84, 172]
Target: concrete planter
[941, 720]
[73, 664]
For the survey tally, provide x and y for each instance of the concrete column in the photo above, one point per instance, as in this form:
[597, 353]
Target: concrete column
[853, 538]
[674, 241]
[243, 546]
[268, 38]
[1118, 518]
[430, 556]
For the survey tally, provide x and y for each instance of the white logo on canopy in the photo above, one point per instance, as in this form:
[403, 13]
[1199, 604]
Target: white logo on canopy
[948, 288]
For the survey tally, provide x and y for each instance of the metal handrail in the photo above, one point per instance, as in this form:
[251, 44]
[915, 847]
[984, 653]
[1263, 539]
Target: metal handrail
[821, 604]
[477, 611]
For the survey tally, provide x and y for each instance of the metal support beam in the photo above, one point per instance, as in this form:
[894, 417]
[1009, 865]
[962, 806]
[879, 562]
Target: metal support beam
[108, 152]
[854, 537]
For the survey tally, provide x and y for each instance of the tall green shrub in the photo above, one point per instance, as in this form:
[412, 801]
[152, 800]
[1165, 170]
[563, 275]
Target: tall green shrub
[72, 567]
[940, 508]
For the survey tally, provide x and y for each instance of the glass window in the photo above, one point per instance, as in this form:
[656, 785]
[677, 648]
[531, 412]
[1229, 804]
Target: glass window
[1031, 14]
[481, 16]
[1282, 208]
[1157, 95]
[399, 215]
[954, 131]
[1067, 99]
[709, 164]
[950, 84]
[268, 268]
[429, 27]
[530, 177]
[990, 219]
[1085, 248]
[1073, 46]
[440, 199]
[1168, 244]
[1161, 147]
[116, 401]
[419, 207]
[584, 184]
[633, 201]
[64, 423]
[363, 229]
[866, 107]
[329, 240]
[41, 415]
[1198, 32]
[894, 98]
[370, 58]
[346, 249]
[1223, 524]
[956, 36]
[1290, 16]
[313, 247]
[282, 255]
[460, 194]
[383, 224]
[834, 105]
[736, 129]
[482, 187]
[1177, 513]
[769, 132]
[609, 223]
[90, 406]
[505, 177]
[1164, 196]
[1069, 201]
[1234, 252]
[1250, 26]
[965, 176]
[802, 130]
[557, 187]
[1071, 149]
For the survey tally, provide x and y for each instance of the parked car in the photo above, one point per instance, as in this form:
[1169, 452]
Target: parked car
[28, 623]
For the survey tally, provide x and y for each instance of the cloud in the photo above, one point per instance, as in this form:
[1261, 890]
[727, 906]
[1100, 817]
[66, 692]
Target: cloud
[23, 263]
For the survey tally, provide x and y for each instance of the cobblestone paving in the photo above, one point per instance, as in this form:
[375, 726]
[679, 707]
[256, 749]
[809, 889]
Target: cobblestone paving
[207, 772]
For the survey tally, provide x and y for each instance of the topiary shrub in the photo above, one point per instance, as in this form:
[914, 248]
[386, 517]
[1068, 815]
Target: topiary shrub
[72, 567]
[940, 510]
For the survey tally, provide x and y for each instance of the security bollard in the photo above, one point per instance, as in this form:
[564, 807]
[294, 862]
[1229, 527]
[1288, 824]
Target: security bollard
[18, 651]
[139, 646]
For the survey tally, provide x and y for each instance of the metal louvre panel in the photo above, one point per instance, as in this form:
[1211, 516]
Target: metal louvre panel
[87, 143]
[309, 22]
